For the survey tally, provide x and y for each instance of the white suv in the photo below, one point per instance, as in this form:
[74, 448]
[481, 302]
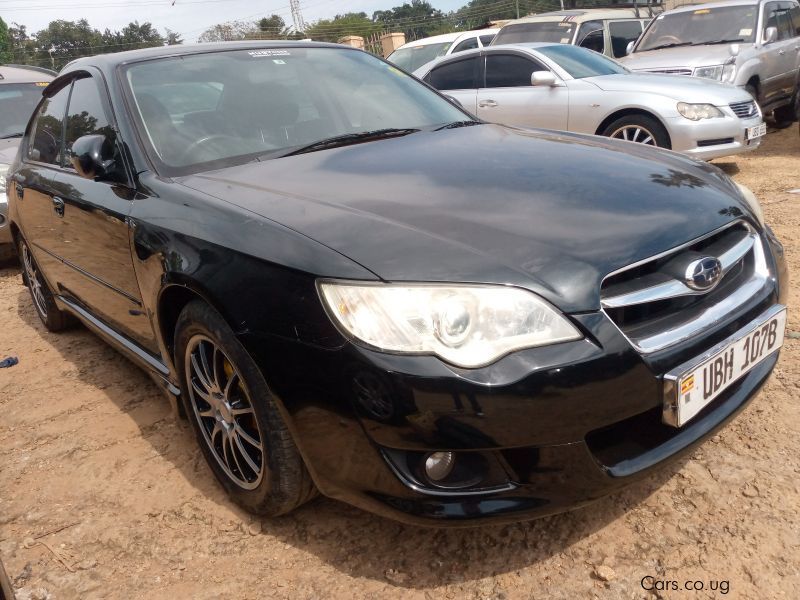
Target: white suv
[754, 44]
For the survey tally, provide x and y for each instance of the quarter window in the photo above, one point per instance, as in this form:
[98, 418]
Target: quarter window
[487, 39]
[510, 70]
[459, 75]
[466, 45]
[46, 135]
[590, 36]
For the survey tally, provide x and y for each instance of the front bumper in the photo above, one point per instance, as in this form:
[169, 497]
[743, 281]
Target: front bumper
[713, 138]
[565, 425]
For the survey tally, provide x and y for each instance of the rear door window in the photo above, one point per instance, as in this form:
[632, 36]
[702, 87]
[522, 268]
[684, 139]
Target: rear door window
[623, 33]
[510, 70]
[458, 75]
[47, 135]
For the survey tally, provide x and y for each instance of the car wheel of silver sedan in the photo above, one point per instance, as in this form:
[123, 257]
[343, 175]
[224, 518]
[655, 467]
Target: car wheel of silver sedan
[640, 129]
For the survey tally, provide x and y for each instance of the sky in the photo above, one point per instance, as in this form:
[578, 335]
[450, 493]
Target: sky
[187, 17]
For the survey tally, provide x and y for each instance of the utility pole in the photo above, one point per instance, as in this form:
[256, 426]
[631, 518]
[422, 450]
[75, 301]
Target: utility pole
[517, 3]
[297, 16]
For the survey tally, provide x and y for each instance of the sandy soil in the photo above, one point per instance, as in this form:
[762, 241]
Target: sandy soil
[103, 493]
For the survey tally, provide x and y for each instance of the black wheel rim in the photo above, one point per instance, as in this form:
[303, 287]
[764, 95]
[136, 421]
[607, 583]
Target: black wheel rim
[223, 408]
[34, 283]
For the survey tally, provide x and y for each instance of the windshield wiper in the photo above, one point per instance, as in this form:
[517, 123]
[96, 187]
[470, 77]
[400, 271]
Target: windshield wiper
[12, 135]
[350, 138]
[731, 41]
[456, 124]
[671, 45]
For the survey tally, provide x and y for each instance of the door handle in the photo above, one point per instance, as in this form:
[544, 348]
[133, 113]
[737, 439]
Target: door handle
[487, 103]
[58, 206]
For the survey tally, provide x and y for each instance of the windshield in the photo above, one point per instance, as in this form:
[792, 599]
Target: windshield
[580, 63]
[413, 58]
[212, 110]
[17, 101]
[560, 32]
[724, 24]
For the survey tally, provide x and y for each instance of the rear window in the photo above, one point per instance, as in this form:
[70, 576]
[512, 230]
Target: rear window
[560, 32]
[413, 58]
[17, 101]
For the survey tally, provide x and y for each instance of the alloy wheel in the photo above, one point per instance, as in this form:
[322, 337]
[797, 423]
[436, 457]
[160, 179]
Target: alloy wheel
[34, 282]
[634, 133]
[224, 410]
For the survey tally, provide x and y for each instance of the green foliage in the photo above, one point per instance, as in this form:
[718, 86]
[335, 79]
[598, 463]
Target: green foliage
[133, 36]
[477, 13]
[331, 30]
[5, 43]
[273, 26]
[229, 32]
[417, 20]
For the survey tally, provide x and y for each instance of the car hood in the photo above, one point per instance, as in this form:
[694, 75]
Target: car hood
[554, 212]
[679, 87]
[683, 56]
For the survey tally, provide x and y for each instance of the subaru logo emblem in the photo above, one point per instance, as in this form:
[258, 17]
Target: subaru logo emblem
[704, 273]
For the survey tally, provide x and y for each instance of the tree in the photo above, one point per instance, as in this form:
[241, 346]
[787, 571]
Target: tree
[5, 43]
[332, 30]
[228, 32]
[273, 26]
[172, 38]
[417, 19]
[478, 13]
[132, 36]
[64, 41]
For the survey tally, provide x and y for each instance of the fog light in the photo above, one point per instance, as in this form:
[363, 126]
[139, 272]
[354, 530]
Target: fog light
[438, 465]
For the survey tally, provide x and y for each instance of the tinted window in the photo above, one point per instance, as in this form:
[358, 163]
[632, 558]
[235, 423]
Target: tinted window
[543, 31]
[17, 101]
[508, 70]
[580, 63]
[86, 115]
[46, 136]
[466, 45]
[414, 57]
[623, 33]
[590, 35]
[486, 39]
[701, 26]
[459, 75]
[794, 14]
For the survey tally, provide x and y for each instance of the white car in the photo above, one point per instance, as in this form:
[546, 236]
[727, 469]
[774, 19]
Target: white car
[559, 86]
[413, 55]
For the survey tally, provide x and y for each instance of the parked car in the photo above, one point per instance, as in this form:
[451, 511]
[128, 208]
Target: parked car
[557, 86]
[413, 55]
[754, 44]
[20, 91]
[604, 30]
[356, 287]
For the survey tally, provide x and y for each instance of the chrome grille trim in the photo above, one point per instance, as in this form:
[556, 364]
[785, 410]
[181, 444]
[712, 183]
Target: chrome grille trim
[744, 110]
[668, 71]
[746, 248]
[672, 288]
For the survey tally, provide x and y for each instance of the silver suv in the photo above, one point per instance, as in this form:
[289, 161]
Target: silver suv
[20, 91]
[754, 44]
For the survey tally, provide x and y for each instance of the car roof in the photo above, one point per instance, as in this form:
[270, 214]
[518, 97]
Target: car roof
[693, 7]
[23, 74]
[108, 62]
[448, 37]
[427, 67]
[589, 14]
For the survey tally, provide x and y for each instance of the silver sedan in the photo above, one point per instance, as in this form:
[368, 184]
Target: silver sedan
[558, 86]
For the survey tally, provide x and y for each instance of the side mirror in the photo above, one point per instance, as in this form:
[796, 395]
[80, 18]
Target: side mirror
[770, 35]
[543, 78]
[629, 47]
[91, 156]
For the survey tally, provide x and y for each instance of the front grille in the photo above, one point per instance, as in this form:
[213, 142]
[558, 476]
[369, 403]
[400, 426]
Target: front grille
[744, 110]
[669, 71]
[654, 307]
[717, 142]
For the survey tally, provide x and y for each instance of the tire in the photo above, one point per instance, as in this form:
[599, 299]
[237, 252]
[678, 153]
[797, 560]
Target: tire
[636, 126]
[235, 418]
[44, 303]
[784, 116]
[752, 90]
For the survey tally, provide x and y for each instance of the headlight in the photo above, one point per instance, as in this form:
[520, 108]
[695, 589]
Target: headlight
[3, 170]
[711, 72]
[695, 112]
[752, 202]
[466, 325]
[728, 72]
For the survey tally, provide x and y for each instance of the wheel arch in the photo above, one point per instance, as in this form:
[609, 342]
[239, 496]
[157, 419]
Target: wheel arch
[626, 112]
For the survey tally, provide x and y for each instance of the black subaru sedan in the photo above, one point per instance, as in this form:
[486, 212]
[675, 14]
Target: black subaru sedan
[354, 287]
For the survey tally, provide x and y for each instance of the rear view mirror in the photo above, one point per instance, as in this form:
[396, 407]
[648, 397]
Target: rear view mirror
[770, 35]
[91, 156]
[543, 78]
[629, 47]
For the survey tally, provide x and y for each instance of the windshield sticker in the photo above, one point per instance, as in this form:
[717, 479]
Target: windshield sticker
[41, 84]
[565, 40]
[563, 24]
[260, 53]
[702, 11]
[745, 32]
[278, 61]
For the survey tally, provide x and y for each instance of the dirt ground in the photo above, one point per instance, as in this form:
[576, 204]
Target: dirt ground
[104, 494]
